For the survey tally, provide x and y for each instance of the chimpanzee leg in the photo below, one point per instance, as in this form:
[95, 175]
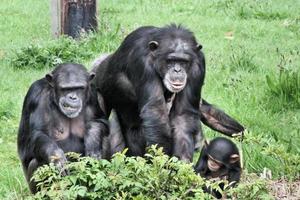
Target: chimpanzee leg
[33, 165]
[135, 141]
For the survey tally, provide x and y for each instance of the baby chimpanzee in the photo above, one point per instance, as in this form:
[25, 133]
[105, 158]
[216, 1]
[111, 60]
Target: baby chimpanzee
[220, 159]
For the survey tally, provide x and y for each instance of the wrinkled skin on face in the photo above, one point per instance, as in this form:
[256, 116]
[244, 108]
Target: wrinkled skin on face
[174, 65]
[61, 113]
[70, 104]
[70, 91]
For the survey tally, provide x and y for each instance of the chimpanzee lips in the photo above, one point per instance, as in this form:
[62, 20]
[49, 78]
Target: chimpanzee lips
[177, 85]
[70, 107]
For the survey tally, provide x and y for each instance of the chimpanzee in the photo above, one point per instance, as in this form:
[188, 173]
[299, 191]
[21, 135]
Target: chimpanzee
[61, 113]
[220, 159]
[151, 66]
[210, 115]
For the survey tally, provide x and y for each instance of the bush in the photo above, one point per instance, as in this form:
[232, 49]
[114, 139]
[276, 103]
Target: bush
[56, 52]
[154, 177]
[252, 187]
[64, 49]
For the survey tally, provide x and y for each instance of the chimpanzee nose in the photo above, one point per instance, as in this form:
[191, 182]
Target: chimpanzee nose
[72, 97]
[177, 68]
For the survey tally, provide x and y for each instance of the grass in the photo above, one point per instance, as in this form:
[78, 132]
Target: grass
[240, 39]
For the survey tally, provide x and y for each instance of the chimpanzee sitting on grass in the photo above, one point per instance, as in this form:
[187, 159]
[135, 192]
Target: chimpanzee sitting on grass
[60, 114]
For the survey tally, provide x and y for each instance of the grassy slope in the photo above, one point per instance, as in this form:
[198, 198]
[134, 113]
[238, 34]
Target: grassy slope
[273, 133]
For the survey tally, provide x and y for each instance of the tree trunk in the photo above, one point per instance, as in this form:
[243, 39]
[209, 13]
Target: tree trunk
[73, 17]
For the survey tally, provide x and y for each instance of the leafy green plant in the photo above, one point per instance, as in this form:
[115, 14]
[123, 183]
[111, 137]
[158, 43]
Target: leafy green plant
[38, 57]
[290, 163]
[285, 87]
[252, 187]
[64, 49]
[154, 177]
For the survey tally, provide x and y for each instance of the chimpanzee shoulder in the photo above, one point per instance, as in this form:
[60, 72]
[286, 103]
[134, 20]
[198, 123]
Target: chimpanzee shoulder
[34, 93]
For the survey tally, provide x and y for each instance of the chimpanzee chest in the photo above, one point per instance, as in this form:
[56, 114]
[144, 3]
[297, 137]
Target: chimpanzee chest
[68, 128]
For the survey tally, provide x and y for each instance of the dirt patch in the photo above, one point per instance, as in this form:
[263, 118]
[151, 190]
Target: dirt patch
[283, 189]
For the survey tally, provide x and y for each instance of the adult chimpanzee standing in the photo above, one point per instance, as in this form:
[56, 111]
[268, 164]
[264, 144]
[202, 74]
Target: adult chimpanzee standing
[153, 81]
[210, 115]
[60, 114]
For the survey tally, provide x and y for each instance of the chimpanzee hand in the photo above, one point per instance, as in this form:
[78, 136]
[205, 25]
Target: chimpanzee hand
[59, 159]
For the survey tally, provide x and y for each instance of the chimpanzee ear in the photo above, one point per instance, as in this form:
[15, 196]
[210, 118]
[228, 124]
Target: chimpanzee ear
[199, 47]
[49, 78]
[234, 158]
[153, 45]
[91, 76]
[219, 121]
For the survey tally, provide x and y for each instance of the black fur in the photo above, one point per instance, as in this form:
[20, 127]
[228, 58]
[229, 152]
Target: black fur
[131, 82]
[45, 133]
[221, 149]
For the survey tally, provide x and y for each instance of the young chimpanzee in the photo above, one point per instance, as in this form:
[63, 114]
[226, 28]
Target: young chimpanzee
[61, 113]
[220, 159]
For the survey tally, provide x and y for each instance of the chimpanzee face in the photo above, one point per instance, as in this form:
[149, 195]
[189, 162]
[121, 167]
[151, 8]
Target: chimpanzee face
[70, 89]
[70, 99]
[176, 77]
[173, 63]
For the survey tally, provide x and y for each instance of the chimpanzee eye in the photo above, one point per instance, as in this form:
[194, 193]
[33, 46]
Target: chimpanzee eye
[64, 89]
[80, 88]
[169, 61]
[68, 89]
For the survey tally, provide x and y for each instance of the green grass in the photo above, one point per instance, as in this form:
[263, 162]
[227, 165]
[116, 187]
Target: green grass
[237, 66]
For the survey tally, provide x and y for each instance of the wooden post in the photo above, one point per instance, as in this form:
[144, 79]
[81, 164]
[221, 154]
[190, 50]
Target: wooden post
[73, 17]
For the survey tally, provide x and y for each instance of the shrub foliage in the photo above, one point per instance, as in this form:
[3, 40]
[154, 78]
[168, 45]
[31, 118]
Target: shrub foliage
[39, 57]
[154, 177]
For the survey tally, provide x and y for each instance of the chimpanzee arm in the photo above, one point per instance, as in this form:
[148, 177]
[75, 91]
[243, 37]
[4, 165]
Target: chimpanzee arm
[154, 115]
[185, 118]
[184, 129]
[93, 139]
[218, 120]
[201, 165]
[44, 147]
[234, 175]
